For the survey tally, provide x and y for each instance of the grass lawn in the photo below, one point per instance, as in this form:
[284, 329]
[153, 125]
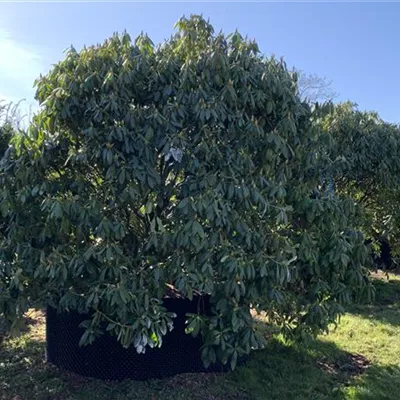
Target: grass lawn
[360, 360]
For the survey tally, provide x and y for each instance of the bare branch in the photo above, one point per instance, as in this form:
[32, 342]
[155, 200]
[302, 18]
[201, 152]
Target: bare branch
[314, 88]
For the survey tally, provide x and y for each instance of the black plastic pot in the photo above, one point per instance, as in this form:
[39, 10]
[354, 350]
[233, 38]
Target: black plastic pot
[105, 358]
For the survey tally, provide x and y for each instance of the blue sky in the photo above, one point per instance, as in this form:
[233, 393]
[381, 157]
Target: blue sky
[354, 44]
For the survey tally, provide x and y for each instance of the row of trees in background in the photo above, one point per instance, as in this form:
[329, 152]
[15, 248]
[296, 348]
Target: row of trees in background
[366, 151]
[196, 164]
[366, 168]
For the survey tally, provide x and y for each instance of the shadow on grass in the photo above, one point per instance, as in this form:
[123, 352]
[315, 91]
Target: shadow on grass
[318, 371]
[385, 307]
[22, 369]
[25, 375]
[387, 291]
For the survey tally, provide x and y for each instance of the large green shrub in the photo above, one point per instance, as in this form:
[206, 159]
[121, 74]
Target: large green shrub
[190, 165]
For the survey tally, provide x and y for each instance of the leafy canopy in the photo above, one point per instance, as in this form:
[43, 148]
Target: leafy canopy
[188, 165]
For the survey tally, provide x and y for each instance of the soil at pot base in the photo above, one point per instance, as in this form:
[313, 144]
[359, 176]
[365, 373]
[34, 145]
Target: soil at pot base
[107, 359]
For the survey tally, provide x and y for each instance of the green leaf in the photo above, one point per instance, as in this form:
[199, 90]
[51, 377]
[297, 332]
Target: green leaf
[233, 361]
[183, 203]
[149, 133]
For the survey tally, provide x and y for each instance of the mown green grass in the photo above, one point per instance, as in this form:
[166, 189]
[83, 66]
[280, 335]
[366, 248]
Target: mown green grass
[359, 360]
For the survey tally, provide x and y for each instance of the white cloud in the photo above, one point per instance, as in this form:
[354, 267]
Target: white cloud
[20, 65]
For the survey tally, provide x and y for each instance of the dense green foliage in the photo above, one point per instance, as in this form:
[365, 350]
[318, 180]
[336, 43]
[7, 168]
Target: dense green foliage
[6, 129]
[194, 165]
[367, 168]
[6, 133]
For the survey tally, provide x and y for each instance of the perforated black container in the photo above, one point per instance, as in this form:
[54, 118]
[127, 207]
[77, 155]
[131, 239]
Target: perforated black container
[107, 359]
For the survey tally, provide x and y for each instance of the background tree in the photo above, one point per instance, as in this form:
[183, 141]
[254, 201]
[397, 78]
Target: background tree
[367, 151]
[314, 88]
[188, 165]
[6, 126]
